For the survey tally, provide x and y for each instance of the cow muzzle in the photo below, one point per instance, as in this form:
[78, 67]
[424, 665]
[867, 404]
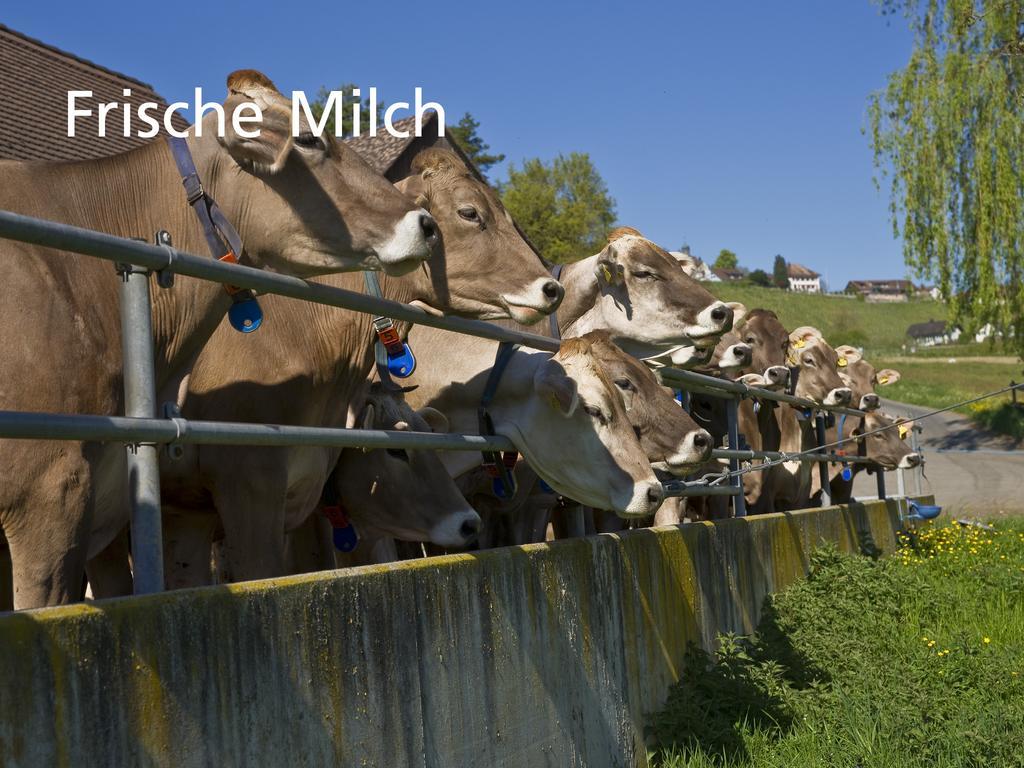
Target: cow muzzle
[411, 243]
[457, 529]
[693, 451]
[870, 402]
[838, 396]
[776, 377]
[909, 461]
[712, 321]
[736, 357]
[539, 300]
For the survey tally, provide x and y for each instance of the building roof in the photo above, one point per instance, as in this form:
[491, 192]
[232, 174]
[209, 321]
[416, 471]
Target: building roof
[381, 151]
[925, 330]
[880, 286]
[34, 82]
[729, 274]
[800, 272]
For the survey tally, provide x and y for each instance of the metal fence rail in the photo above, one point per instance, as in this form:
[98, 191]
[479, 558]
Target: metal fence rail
[143, 432]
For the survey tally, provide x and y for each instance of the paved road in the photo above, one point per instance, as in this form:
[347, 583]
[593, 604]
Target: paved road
[971, 472]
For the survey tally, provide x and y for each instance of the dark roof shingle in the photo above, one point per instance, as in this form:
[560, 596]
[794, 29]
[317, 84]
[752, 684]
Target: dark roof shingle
[34, 82]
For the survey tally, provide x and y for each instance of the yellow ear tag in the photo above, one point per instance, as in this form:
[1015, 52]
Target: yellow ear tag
[883, 379]
[607, 273]
[904, 430]
[799, 343]
[791, 359]
[841, 362]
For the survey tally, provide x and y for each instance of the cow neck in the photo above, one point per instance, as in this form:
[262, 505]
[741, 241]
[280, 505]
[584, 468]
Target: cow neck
[580, 282]
[141, 194]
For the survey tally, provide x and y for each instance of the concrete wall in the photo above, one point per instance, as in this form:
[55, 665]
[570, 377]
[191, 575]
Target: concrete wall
[545, 655]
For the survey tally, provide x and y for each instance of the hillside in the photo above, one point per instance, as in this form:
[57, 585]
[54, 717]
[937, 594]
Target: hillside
[878, 328]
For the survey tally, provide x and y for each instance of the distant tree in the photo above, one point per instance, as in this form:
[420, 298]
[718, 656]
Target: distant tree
[726, 260]
[464, 133]
[760, 277]
[563, 206]
[347, 100]
[947, 132]
[780, 272]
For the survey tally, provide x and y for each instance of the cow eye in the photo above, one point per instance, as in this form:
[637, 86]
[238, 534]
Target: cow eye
[643, 274]
[595, 413]
[398, 453]
[309, 141]
[624, 384]
[808, 360]
[751, 340]
[469, 213]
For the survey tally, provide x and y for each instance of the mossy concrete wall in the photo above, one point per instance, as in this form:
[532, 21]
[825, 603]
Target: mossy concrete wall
[544, 655]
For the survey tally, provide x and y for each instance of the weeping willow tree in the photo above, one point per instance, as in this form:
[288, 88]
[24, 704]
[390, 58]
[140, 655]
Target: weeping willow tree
[948, 135]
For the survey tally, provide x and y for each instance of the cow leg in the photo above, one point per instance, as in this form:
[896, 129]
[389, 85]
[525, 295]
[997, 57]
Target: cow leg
[110, 572]
[49, 545]
[188, 542]
[253, 515]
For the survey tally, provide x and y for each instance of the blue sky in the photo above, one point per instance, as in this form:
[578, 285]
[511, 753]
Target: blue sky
[723, 125]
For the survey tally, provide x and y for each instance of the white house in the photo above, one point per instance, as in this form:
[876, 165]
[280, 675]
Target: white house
[802, 279]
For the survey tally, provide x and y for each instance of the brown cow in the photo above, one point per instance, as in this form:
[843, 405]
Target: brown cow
[306, 206]
[310, 367]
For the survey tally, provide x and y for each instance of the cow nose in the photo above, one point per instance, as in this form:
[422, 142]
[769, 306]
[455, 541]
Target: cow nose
[553, 291]
[777, 374]
[429, 228]
[470, 528]
[843, 395]
[655, 494]
[870, 402]
[701, 440]
[720, 313]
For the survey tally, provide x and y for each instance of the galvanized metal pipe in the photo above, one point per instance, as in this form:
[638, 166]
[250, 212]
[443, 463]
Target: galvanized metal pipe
[140, 401]
[819, 433]
[123, 429]
[739, 501]
[118, 249]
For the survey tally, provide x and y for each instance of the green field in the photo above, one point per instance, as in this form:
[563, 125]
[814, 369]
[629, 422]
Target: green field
[908, 661]
[878, 328]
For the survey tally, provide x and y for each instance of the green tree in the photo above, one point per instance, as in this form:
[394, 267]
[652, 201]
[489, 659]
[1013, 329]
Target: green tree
[464, 133]
[726, 260]
[563, 206]
[760, 277]
[948, 132]
[347, 100]
[780, 272]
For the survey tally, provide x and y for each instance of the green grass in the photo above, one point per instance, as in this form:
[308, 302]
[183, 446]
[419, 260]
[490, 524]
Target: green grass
[878, 328]
[907, 661]
[937, 383]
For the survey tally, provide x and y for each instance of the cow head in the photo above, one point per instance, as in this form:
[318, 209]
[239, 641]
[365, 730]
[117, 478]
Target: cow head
[485, 269]
[888, 448]
[672, 441]
[571, 425]
[399, 492]
[817, 368]
[306, 205]
[642, 297]
[862, 378]
[768, 340]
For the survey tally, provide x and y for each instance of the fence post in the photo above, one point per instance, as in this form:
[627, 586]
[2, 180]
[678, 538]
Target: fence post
[880, 480]
[739, 501]
[819, 433]
[919, 471]
[140, 401]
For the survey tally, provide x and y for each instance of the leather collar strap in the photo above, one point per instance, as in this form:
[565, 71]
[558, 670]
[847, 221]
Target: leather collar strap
[498, 466]
[393, 356]
[556, 332]
[222, 238]
[343, 530]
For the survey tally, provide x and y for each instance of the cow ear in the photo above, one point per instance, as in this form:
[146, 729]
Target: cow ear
[886, 376]
[436, 420]
[366, 420]
[847, 355]
[555, 387]
[269, 148]
[415, 187]
[609, 271]
[804, 336]
[739, 311]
